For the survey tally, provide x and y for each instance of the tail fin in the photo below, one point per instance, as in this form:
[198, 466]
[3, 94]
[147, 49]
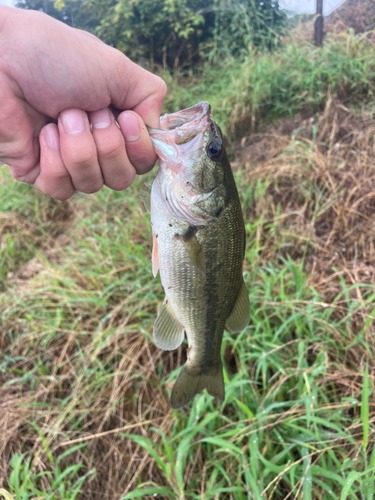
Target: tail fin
[189, 384]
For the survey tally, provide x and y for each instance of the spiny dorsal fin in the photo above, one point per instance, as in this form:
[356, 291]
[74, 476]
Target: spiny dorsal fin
[240, 316]
[168, 332]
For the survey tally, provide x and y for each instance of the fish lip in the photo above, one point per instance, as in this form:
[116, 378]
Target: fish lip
[181, 135]
[189, 116]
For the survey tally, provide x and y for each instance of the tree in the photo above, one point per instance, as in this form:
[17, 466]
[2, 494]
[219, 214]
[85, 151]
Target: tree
[74, 13]
[174, 33]
[177, 32]
[319, 23]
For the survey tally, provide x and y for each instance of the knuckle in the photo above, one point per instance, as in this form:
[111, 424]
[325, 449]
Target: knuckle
[59, 176]
[22, 163]
[160, 86]
[92, 188]
[24, 171]
[61, 196]
[87, 159]
[110, 150]
[122, 182]
[80, 156]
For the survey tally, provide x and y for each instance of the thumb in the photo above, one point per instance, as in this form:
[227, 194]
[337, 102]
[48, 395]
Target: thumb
[137, 89]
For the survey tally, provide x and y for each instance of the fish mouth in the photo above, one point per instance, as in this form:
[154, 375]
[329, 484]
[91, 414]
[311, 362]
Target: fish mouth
[181, 134]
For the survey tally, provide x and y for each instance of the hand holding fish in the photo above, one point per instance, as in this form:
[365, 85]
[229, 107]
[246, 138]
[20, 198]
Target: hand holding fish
[56, 131]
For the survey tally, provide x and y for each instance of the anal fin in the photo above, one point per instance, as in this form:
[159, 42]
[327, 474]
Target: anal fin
[168, 332]
[240, 316]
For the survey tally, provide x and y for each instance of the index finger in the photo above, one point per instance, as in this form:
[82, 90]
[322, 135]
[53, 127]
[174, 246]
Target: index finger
[141, 91]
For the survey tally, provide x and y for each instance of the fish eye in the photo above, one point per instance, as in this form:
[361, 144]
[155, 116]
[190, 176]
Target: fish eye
[214, 150]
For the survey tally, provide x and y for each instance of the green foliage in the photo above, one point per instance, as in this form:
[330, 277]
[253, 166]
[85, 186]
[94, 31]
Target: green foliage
[283, 426]
[18, 236]
[77, 351]
[240, 26]
[173, 33]
[296, 77]
[72, 12]
[62, 482]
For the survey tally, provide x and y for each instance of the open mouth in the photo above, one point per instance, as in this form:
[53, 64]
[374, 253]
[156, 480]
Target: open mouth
[180, 129]
[186, 117]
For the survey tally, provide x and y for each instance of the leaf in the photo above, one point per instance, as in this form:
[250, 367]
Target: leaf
[6, 494]
[307, 480]
[353, 476]
[142, 492]
[222, 444]
[245, 409]
[365, 408]
[150, 448]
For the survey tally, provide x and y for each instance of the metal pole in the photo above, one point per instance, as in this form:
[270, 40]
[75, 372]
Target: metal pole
[319, 23]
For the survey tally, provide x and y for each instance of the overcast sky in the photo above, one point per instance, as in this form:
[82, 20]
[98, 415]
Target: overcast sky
[307, 6]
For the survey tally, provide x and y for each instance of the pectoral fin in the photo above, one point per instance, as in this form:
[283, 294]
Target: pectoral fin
[193, 248]
[168, 332]
[155, 255]
[240, 316]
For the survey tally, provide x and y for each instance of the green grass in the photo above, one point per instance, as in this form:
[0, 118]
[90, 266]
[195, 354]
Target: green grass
[77, 350]
[85, 391]
[297, 77]
[28, 221]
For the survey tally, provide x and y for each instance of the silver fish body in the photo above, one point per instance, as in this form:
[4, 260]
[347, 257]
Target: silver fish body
[198, 248]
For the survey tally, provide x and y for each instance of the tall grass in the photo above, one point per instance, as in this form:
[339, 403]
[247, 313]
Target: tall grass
[84, 393]
[296, 77]
[78, 353]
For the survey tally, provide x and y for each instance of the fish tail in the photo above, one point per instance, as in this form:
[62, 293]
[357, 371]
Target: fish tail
[190, 383]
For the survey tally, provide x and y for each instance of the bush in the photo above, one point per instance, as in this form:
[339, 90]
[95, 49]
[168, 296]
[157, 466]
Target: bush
[173, 33]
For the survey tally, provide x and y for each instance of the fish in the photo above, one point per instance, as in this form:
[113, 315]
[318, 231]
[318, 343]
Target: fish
[199, 243]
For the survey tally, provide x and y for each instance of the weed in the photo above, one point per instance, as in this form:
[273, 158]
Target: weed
[84, 389]
[297, 77]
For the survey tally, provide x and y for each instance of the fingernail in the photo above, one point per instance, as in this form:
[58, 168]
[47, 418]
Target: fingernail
[101, 119]
[73, 121]
[130, 127]
[51, 136]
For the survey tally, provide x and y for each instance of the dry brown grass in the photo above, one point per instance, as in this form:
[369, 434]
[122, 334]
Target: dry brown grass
[323, 180]
[321, 197]
[96, 374]
[358, 15]
[114, 350]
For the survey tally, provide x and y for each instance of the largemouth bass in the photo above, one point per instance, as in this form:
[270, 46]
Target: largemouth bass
[198, 248]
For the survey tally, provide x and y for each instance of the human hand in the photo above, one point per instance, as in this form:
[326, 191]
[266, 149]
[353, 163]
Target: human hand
[50, 72]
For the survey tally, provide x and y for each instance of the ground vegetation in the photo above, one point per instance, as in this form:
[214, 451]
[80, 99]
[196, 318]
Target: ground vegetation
[84, 393]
